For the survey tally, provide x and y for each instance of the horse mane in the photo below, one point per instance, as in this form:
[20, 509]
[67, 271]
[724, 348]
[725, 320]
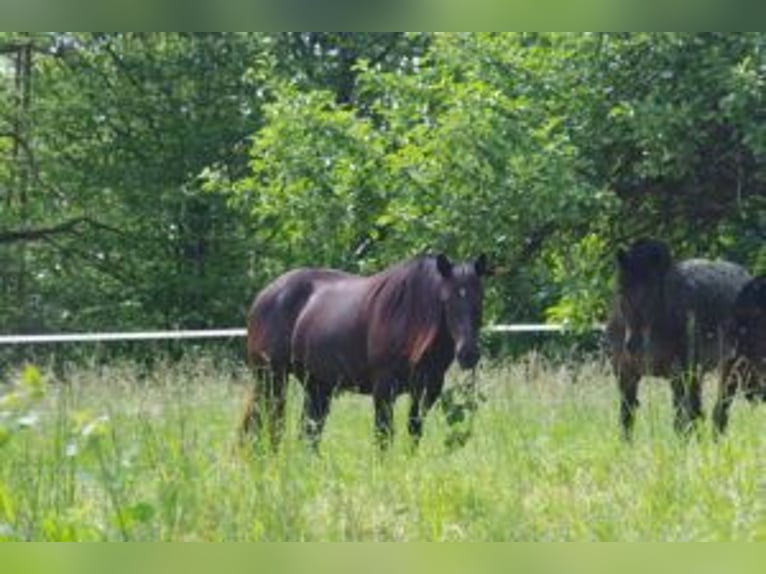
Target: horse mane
[646, 258]
[408, 295]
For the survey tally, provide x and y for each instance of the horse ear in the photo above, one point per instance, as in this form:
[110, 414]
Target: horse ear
[443, 265]
[481, 267]
[622, 258]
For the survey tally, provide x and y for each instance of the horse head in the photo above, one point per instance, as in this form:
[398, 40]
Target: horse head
[462, 295]
[641, 274]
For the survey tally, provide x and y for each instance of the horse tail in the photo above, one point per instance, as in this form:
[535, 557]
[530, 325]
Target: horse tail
[264, 410]
[265, 403]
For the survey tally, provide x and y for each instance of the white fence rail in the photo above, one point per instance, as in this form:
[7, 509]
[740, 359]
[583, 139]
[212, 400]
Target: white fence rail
[126, 336]
[218, 334]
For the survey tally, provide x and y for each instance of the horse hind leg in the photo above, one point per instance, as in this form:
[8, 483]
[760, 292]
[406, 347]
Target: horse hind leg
[759, 380]
[694, 399]
[753, 382]
[251, 419]
[277, 397]
[730, 374]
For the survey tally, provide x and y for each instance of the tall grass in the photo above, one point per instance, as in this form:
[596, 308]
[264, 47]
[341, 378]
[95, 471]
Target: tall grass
[114, 454]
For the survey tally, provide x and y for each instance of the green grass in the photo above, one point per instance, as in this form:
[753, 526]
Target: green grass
[111, 455]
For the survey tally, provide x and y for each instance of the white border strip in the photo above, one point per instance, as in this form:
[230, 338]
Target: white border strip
[220, 333]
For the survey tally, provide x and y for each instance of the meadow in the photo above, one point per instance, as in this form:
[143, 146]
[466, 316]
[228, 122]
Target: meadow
[119, 453]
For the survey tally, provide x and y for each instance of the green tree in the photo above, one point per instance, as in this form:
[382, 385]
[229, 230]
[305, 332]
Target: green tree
[534, 147]
[122, 125]
[546, 151]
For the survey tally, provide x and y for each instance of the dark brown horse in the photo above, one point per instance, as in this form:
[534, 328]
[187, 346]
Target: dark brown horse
[270, 323]
[391, 333]
[670, 319]
[746, 369]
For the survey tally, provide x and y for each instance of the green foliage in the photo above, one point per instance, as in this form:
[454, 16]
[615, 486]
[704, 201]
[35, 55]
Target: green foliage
[172, 175]
[313, 175]
[580, 270]
[18, 403]
[535, 148]
[123, 124]
[460, 404]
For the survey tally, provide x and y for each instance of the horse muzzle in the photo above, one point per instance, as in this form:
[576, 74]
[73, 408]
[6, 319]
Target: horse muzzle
[467, 356]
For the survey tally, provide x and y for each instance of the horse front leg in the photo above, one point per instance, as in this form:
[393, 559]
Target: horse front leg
[414, 418]
[687, 400]
[628, 377]
[383, 396]
[316, 407]
[627, 381]
[423, 398]
[726, 391]
[694, 400]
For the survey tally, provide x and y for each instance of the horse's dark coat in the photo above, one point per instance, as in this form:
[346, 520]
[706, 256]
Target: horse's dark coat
[747, 367]
[670, 319]
[387, 334]
[270, 323]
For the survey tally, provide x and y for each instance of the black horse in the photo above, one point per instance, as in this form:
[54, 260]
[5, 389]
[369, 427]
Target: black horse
[746, 369]
[391, 333]
[670, 319]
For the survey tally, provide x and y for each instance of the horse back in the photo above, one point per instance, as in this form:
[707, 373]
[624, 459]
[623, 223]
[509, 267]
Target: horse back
[354, 330]
[693, 322]
[330, 333]
[749, 324]
[700, 299]
[272, 316]
[705, 289]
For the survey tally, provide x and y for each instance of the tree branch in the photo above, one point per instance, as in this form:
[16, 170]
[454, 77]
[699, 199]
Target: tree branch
[116, 272]
[39, 233]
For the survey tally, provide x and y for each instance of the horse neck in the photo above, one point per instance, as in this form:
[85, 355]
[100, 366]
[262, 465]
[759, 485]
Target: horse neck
[408, 301]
